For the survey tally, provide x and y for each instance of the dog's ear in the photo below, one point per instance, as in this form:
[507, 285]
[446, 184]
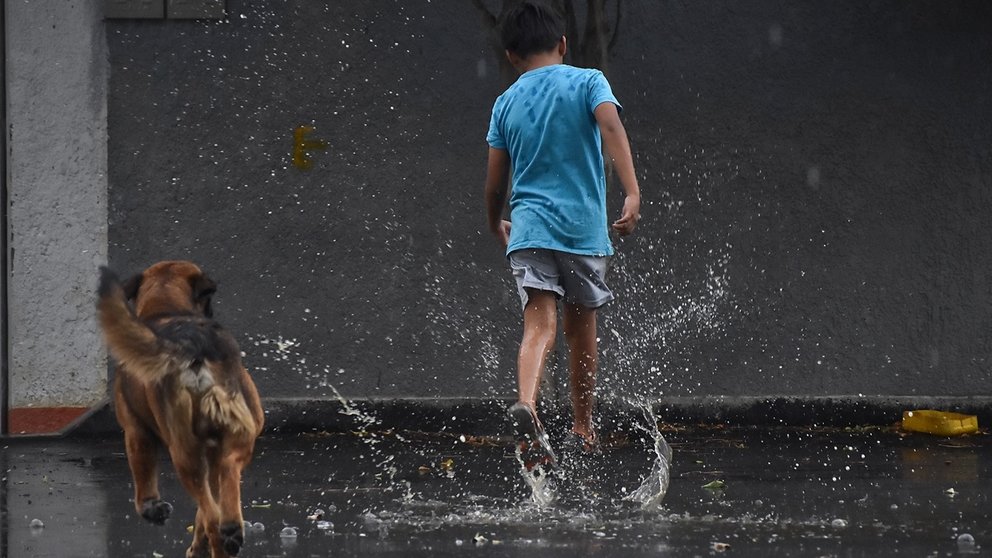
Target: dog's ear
[131, 287]
[203, 289]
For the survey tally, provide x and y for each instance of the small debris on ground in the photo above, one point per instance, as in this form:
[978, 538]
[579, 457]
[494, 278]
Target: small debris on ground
[715, 485]
[316, 515]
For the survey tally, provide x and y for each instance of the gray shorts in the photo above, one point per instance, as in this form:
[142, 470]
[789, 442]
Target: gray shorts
[578, 279]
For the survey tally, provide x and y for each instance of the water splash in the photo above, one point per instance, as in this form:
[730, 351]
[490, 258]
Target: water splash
[655, 485]
[542, 485]
[347, 409]
[289, 351]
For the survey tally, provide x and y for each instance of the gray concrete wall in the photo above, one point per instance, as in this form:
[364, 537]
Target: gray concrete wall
[816, 177]
[57, 161]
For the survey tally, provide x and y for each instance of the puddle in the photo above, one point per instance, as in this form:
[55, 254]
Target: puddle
[781, 493]
[748, 492]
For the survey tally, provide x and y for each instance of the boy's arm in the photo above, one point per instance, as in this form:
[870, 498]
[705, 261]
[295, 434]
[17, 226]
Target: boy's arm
[497, 177]
[618, 149]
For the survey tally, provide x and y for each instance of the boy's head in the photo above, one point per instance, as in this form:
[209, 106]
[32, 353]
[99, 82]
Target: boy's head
[531, 28]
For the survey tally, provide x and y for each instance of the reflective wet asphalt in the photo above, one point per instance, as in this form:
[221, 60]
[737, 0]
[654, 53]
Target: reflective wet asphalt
[734, 492]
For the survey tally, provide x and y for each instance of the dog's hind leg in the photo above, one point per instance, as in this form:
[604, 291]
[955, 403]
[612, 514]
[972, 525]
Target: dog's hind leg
[142, 457]
[228, 469]
[192, 469]
[201, 543]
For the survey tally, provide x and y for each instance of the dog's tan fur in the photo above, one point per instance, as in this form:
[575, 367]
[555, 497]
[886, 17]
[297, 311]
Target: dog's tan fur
[180, 384]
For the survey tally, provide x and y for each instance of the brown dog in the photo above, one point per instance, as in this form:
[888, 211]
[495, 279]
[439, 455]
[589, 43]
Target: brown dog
[180, 383]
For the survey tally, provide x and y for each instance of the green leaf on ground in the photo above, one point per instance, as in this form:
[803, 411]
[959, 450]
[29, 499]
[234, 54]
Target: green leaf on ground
[715, 485]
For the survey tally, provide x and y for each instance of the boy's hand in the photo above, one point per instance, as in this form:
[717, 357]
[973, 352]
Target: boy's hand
[631, 214]
[618, 148]
[502, 232]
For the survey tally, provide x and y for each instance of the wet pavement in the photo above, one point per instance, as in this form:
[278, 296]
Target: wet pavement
[734, 492]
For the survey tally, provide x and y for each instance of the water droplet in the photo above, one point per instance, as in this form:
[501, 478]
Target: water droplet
[966, 543]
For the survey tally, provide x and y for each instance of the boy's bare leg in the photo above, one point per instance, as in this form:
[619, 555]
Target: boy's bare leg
[540, 325]
[583, 350]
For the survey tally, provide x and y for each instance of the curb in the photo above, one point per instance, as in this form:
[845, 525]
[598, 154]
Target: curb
[487, 416]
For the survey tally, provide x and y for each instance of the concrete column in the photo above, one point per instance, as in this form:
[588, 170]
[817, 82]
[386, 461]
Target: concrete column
[57, 76]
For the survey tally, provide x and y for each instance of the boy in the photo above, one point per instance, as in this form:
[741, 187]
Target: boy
[550, 127]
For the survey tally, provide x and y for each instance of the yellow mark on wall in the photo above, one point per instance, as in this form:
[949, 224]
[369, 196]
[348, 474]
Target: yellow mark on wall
[302, 145]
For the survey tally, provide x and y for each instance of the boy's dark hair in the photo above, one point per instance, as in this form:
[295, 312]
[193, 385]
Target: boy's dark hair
[531, 28]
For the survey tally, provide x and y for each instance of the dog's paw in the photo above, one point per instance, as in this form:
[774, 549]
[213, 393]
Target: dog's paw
[108, 280]
[233, 537]
[156, 511]
[199, 549]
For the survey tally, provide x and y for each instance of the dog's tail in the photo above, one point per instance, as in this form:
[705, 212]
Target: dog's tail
[200, 402]
[131, 342]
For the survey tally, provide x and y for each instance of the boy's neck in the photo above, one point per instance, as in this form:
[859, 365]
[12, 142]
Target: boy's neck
[540, 60]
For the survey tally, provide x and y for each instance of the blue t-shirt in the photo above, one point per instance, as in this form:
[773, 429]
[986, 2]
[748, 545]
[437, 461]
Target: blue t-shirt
[546, 123]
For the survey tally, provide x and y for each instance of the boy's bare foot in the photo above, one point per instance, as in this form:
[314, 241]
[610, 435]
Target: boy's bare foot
[531, 437]
[588, 444]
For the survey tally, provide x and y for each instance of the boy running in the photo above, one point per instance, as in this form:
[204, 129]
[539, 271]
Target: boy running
[550, 127]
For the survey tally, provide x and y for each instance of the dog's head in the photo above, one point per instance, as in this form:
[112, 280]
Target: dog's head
[171, 287]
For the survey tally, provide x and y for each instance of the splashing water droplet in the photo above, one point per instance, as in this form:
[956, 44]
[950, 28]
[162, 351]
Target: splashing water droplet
[655, 485]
